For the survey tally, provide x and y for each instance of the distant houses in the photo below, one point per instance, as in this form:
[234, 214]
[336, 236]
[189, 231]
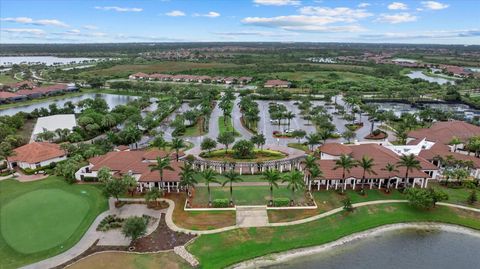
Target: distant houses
[21, 91]
[191, 78]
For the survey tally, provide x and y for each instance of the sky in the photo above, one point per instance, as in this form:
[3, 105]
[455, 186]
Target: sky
[86, 21]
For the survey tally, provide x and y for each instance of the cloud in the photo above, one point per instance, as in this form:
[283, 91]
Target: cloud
[37, 32]
[341, 13]
[277, 2]
[396, 18]
[255, 33]
[424, 35]
[175, 13]
[432, 5]
[397, 6]
[211, 14]
[90, 27]
[120, 9]
[42, 22]
[363, 5]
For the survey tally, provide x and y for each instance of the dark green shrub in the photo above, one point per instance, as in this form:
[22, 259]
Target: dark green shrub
[220, 203]
[280, 202]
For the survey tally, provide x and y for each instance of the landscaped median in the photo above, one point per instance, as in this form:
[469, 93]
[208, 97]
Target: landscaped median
[226, 248]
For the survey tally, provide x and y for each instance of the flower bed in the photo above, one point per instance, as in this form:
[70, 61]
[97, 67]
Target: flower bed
[377, 135]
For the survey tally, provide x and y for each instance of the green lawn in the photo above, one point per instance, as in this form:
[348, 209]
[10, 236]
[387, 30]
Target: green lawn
[227, 248]
[456, 196]
[195, 130]
[257, 195]
[44, 218]
[299, 146]
[5, 79]
[226, 126]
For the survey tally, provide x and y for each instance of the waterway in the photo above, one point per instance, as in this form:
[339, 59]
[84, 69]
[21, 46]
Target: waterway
[401, 249]
[420, 75]
[48, 60]
[112, 100]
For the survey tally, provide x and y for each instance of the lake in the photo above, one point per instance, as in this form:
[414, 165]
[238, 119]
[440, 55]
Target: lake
[112, 100]
[402, 249]
[48, 60]
[420, 75]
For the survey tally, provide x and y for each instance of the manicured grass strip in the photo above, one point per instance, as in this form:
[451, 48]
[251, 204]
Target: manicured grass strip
[226, 126]
[44, 217]
[299, 146]
[227, 248]
[123, 260]
[456, 195]
[252, 195]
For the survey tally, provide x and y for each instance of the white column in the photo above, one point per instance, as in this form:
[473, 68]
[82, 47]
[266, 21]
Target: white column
[354, 184]
[336, 184]
[380, 183]
[178, 189]
[328, 184]
[396, 184]
[168, 186]
[345, 185]
[426, 182]
[240, 170]
[371, 183]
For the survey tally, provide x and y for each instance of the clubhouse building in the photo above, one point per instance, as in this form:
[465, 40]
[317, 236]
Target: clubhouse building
[36, 155]
[137, 163]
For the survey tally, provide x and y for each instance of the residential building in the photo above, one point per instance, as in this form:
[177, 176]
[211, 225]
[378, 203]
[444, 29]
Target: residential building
[276, 83]
[36, 155]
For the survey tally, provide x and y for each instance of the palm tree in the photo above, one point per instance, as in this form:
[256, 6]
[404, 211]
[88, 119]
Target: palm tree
[310, 162]
[390, 168]
[366, 163]
[315, 173]
[289, 116]
[232, 177]
[162, 164]
[410, 163]
[312, 140]
[209, 176]
[272, 177]
[177, 144]
[324, 134]
[345, 162]
[295, 182]
[187, 179]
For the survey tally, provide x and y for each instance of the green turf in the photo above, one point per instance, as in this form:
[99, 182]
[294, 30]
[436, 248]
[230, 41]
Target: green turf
[226, 126]
[44, 218]
[257, 195]
[227, 248]
[30, 222]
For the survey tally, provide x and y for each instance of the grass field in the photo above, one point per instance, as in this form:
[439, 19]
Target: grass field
[43, 218]
[456, 196]
[257, 195]
[227, 248]
[299, 146]
[5, 79]
[114, 260]
[174, 66]
[321, 76]
[226, 126]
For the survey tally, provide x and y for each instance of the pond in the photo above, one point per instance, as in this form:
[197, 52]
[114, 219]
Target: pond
[48, 60]
[404, 249]
[112, 100]
[419, 74]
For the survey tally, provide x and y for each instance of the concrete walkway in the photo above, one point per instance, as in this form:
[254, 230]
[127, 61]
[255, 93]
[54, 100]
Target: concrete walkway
[252, 216]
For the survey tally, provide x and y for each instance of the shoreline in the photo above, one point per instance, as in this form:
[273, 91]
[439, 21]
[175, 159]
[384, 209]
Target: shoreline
[278, 258]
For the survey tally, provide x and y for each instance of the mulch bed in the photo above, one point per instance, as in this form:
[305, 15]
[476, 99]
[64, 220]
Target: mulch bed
[161, 239]
[381, 135]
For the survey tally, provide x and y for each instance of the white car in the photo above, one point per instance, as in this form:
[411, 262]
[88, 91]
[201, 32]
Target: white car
[287, 131]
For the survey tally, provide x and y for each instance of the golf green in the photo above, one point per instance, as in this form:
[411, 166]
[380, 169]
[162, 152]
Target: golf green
[42, 219]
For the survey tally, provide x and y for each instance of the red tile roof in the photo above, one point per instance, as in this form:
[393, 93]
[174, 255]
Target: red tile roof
[440, 150]
[137, 162]
[277, 82]
[444, 131]
[335, 149]
[381, 156]
[36, 152]
[6, 95]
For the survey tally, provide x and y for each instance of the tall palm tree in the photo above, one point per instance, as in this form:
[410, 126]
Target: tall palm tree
[366, 163]
[272, 177]
[209, 176]
[289, 116]
[310, 162]
[232, 177]
[295, 182]
[187, 179]
[345, 162]
[390, 168]
[410, 163]
[177, 144]
[315, 173]
[312, 140]
[162, 164]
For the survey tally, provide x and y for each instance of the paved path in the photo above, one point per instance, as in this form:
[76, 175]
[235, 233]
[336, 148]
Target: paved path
[252, 216]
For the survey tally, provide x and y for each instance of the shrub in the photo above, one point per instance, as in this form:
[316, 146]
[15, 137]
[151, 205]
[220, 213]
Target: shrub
[134, 227]
[243, 149]
[376, 132]
[110, 222]
[220, 203]
[472, 198]
[280, 202]
[347, 204]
